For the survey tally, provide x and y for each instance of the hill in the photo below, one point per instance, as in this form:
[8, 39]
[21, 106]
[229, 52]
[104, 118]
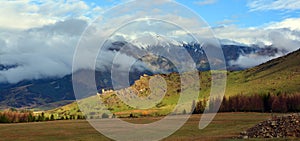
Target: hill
[281, 75]
[39, 93]
[278, 76]
[46, 93]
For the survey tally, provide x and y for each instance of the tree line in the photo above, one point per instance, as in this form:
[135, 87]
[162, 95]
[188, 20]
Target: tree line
[15, 116]
[281, 103]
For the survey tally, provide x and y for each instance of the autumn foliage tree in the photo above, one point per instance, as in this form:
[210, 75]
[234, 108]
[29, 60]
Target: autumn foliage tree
[252, 103]
[12, 116]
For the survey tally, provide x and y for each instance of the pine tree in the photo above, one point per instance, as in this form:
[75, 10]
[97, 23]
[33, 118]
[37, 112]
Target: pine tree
[52, 117]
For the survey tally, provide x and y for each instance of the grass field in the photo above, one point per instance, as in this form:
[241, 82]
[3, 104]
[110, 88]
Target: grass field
[225, 126]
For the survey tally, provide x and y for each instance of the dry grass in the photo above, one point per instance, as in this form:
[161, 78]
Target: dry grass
[225, 126]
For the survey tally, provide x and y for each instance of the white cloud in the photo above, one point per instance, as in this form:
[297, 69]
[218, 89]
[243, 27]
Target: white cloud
[251, 60]
[283, 35]
[263, 5]
[290, 23]
[21, 14]
[205, 2]
[39, 52]
[26, 14]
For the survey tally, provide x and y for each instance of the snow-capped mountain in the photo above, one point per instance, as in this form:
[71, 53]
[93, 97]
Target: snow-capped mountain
[32, 93]
[151, 42]
[151, 39]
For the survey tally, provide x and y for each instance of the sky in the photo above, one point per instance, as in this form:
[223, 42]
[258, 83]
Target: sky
[244, 13]
[38, 38]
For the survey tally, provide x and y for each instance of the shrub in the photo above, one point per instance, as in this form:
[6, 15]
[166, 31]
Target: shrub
[105, 115]
[52, 117]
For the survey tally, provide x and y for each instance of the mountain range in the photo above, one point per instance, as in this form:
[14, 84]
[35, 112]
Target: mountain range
[277, 77]
[52, 92]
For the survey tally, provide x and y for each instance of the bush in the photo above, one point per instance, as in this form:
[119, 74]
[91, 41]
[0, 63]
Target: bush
[104, 115]
[184, 112]
[52, 117]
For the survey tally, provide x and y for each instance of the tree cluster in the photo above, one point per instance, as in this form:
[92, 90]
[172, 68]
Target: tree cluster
[281, 103]
[13, 116]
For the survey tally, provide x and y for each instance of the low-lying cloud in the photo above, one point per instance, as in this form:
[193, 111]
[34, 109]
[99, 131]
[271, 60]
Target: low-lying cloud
[39, 52]
[247, 61]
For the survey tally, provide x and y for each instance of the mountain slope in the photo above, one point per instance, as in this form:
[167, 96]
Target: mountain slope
[281, 75]
[43, 92]
[35, 93]
[278, 76]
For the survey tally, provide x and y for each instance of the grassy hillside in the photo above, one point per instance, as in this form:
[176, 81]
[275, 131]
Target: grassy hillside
[278, 76]
[281, 75]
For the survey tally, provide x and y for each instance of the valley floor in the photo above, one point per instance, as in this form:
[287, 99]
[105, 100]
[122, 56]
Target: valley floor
[225, 126]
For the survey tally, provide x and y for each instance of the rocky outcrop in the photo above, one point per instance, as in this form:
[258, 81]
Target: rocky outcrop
[277, 127]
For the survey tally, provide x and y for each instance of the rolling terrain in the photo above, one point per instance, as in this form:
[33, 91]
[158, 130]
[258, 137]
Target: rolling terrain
[39, 93]
[275, 77]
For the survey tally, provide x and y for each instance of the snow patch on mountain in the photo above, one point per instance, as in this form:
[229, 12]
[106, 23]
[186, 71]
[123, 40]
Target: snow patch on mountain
[147, 39]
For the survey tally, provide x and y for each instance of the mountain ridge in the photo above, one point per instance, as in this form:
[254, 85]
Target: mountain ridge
[248, 82]
[35, 93]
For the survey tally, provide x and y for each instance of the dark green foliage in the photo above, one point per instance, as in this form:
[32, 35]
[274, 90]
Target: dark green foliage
[184, 112]
[39, 118]
[200, 107]
[3, 119]
[160, 104]
[52, 117]
[267, 102]
[105, 115]
[131, 115]
[43, 116]
[31, 118]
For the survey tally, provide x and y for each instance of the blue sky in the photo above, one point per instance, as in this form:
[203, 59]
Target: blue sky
[241, 13]
[238, 12]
